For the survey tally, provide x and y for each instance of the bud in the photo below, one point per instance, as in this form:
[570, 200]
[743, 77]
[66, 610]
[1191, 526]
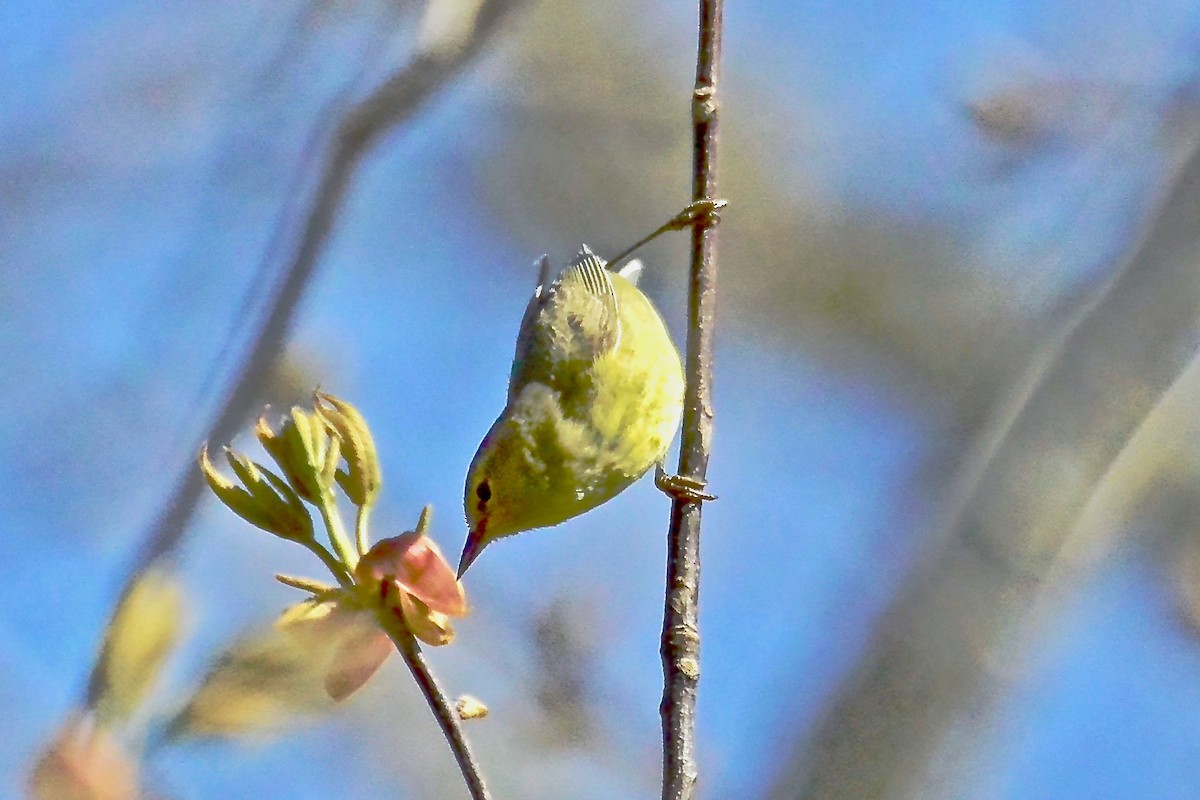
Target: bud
[362, 478]
[469, 707]
[264, 499]
[408, 576]
[303, 449]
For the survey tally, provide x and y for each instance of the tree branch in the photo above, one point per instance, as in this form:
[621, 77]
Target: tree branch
[681, 631]
[398, 99]
[439, 703]
[904, 724]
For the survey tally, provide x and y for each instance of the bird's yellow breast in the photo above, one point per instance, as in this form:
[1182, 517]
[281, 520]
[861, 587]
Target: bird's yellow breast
[638, 388]
[576, 432]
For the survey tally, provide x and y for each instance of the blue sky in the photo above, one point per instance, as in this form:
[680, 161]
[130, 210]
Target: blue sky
[121, 270]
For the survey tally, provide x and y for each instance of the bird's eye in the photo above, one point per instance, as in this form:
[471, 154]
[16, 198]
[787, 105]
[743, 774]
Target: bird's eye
[483, 492]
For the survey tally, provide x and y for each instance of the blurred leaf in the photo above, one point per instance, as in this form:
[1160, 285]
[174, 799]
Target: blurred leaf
[267, 679]
[83, 762]
[360, 654]
[141, 634]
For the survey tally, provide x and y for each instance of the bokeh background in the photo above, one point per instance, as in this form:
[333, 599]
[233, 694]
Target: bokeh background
[955, 553]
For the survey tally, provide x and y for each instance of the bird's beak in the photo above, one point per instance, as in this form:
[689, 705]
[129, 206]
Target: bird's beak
[471, 551]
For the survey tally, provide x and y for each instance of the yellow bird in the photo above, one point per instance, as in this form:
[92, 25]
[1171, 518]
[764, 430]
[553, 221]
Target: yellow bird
[594, 400]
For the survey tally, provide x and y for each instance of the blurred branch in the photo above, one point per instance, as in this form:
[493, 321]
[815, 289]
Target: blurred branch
[448, 45]
[905, 722]
[681, 625]
[812, 271]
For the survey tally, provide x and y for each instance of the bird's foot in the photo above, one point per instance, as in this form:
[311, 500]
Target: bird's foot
[697, 211]
[680, 487]
[706, 211]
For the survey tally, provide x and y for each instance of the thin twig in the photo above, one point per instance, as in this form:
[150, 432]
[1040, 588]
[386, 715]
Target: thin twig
[440, 704]
[397, 99]
[681, 631]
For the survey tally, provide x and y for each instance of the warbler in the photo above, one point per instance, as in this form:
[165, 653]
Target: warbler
[594, 399]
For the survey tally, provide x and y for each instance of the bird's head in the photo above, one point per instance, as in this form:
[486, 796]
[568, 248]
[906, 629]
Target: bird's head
[501, 487]
[521, 477]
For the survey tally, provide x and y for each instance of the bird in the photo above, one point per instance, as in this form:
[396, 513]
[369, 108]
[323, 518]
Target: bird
[595, 396]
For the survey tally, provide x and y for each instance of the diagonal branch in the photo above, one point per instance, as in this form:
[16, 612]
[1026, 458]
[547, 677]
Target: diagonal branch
[681, 627]
[398, 99]
[905, 723]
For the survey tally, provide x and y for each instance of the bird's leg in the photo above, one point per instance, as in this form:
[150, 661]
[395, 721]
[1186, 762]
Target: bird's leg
[697, 211]
[680, 487]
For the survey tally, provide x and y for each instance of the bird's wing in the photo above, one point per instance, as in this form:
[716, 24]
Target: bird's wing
[587, 301]
[575, 320]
